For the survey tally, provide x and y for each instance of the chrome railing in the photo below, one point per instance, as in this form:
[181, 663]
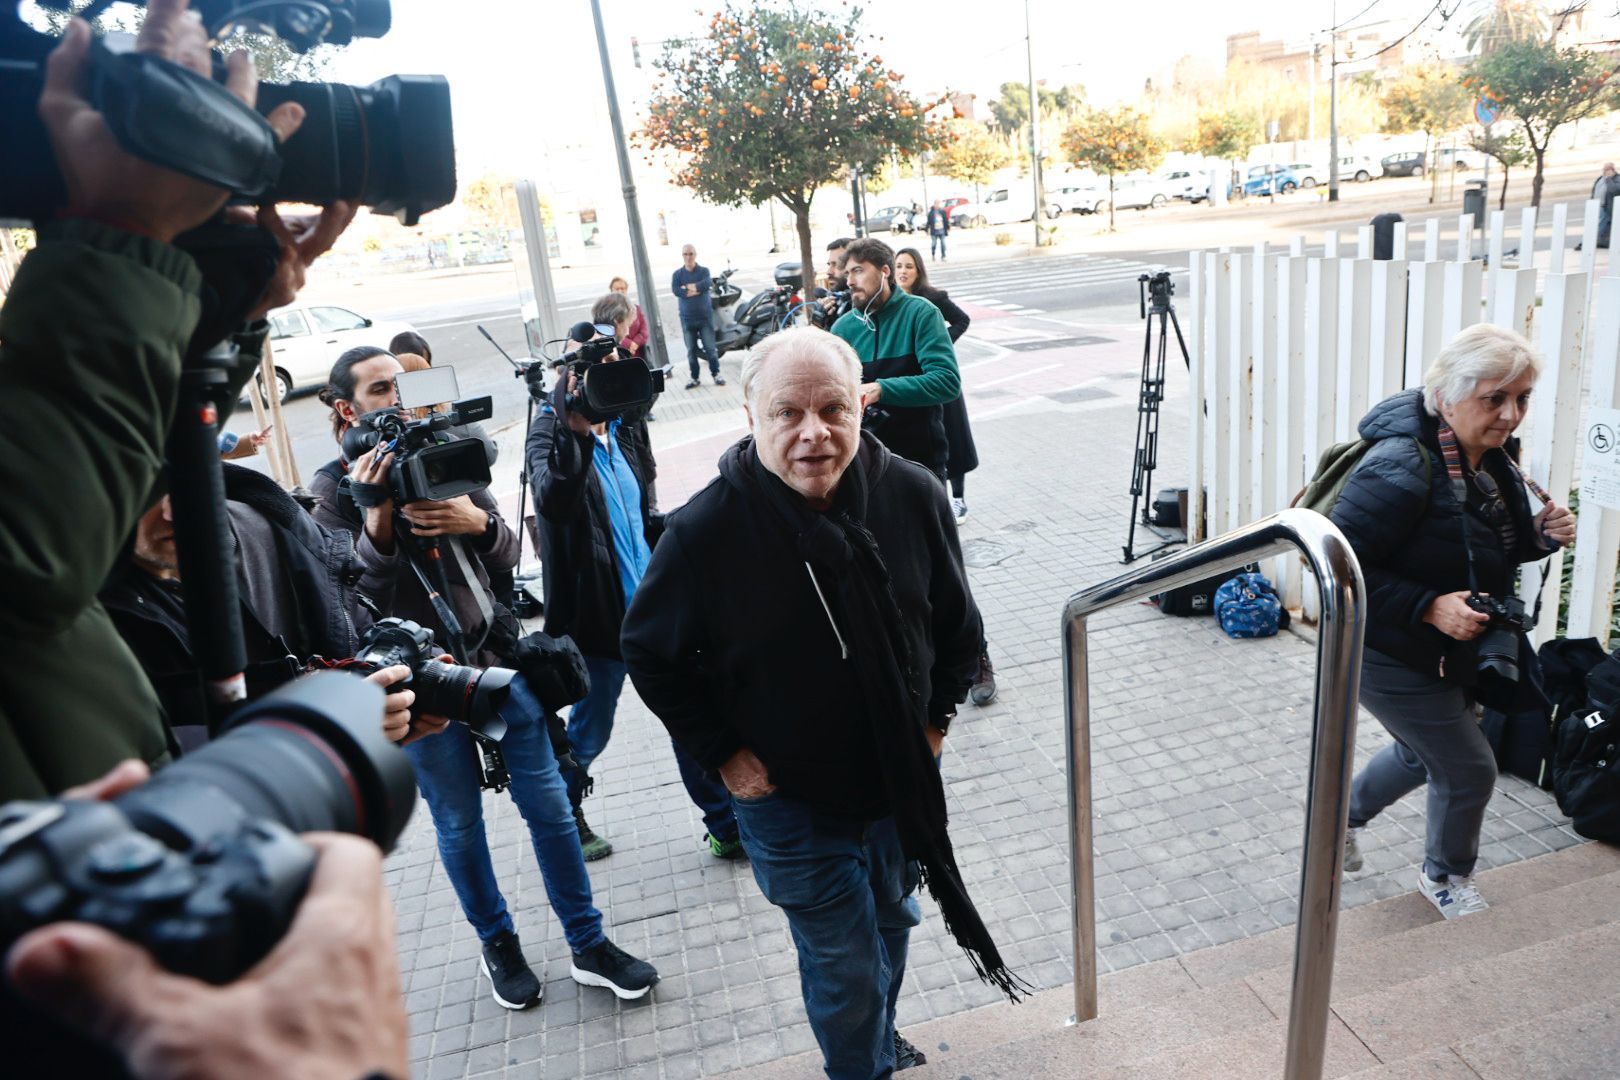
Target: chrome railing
[1338, 676]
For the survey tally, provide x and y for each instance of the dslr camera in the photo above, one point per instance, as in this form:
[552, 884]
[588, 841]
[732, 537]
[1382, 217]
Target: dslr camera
[429, 462]
[388, 146]
[605, 390]
[1497, 668]
[467, 695]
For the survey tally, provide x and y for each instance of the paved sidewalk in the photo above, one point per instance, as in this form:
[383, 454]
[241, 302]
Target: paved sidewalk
[1200, 747]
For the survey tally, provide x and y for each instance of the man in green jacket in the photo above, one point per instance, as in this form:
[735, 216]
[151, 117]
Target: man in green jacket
[908, 364]
[91, 340]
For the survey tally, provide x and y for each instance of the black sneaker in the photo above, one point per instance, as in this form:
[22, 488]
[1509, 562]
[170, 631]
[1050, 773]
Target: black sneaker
[906, 1055]
[514, 982]
[592, 846]
[693, 385]
[984, 682]
[608, 966]
[719, 380]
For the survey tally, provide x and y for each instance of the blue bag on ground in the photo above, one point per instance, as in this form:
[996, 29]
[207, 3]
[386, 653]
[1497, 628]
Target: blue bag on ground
[1248, 607]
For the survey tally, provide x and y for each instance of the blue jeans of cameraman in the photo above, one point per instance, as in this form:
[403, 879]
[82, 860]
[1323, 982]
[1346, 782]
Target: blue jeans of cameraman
[590, 726]
[447, 772]
[849, 894]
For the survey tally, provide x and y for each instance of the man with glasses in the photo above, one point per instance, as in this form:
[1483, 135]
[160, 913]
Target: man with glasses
[691, 287]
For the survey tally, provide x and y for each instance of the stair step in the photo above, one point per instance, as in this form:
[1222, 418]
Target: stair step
[1577, 1042]
[1245, 1055]
[1506, 885]
[1435, 1065]
[1365, 966]
[1481, 996]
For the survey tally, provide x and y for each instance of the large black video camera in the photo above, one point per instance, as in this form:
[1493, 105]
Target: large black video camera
[387, 146]
[605, 389]
[428, 462]
[202, 865]
[468, 695]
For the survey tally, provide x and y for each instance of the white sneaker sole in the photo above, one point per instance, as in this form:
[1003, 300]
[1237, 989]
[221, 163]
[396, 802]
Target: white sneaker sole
[590, 978]
[483, 965]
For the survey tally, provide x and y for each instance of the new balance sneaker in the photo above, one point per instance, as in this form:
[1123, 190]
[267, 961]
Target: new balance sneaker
[959, 508]
[608, 966]
[906, 1055]
[1352, 850]
[1454, 897]
[594, 847]
[513, 981]
[724, 849]
[984, 683]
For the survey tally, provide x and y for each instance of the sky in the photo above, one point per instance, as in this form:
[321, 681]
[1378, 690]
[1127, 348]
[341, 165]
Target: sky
[526, 79]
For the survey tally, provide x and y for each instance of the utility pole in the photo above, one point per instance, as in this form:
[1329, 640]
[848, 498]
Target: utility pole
[1333, 108]
[1310, 95]
[632, 212]
[1034, 129]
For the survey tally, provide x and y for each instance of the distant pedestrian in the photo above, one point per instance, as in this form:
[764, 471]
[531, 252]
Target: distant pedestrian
[1604, 190]
[691, 287]
[634, 340]
[409, 341]
[939, 227]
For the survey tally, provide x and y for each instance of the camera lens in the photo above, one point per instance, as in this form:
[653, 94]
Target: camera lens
[388, 146]
[311, 756]
[468, 695]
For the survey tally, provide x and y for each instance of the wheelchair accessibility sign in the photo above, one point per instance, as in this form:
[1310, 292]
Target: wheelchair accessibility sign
[1600, 467]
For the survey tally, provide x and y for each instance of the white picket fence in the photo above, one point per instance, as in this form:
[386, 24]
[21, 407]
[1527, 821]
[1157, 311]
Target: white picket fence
[1288, 352]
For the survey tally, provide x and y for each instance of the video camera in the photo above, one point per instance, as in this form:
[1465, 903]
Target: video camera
[425, 466]
[605, 390]
[1158, 287]
[387, 146]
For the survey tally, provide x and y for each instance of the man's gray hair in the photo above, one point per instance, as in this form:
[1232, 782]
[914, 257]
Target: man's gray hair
[1480, 354]
[800, 341]
[613, 308]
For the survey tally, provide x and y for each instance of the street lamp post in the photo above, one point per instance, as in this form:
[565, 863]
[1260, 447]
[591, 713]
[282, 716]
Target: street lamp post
[1333, 108]
[632, 211]
[1034, 129]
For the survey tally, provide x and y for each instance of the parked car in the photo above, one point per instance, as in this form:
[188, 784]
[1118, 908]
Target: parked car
[1003, 206]
[1081, 199]
[1408, 164]
[1177, 181]
[1270, 180]
[305, 340]
[1455, 158]
[1140, 193]
[900, 219]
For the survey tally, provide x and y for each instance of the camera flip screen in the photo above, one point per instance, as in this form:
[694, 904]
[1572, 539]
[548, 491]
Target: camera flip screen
[431, 386]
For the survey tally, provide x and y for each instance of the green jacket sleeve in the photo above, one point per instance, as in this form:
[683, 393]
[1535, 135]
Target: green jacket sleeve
[940, 382]
[91, 339]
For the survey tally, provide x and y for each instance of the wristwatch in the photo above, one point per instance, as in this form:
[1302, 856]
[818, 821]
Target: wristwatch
[489, 525]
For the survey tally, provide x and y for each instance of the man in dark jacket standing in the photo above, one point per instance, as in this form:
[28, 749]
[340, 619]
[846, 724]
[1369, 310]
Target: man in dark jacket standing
[691, 288]
[596, 537]
[939, 227]
[806, 630]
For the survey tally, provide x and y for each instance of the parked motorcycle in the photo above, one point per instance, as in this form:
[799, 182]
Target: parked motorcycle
[764, 313]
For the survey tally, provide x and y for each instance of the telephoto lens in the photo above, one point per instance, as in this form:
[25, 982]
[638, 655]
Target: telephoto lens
[468, 695]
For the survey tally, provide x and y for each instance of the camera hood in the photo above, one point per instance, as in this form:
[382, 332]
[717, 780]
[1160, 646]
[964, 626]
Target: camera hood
[608, 389]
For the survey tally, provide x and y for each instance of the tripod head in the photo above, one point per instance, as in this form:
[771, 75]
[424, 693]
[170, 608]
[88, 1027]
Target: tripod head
[1160, 287]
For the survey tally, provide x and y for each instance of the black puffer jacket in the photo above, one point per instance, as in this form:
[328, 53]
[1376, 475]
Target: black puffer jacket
[1400, 516]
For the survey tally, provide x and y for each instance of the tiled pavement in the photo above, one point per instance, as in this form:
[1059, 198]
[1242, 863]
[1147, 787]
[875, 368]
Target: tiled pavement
[1200, 747]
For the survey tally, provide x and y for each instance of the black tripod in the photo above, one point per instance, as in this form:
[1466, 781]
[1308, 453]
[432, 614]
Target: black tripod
[1158, 288]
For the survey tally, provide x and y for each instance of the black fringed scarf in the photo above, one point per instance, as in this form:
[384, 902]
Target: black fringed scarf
[854, 586]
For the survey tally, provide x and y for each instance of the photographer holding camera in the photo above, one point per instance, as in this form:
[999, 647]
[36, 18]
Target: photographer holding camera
[389, 541]
[597, 531]
[93, 334]
[1438, 515]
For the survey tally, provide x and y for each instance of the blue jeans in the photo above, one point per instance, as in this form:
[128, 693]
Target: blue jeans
[936, 245]
[849, 894]
[590, 726]
[692, 331]
[447, 772]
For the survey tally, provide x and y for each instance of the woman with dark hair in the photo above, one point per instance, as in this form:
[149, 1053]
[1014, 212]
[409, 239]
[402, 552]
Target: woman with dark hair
[911, 275]
[409, 341]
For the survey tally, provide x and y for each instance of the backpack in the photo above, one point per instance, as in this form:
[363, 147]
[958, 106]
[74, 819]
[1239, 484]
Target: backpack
[1247, 606]
[1333, 472]
[1586, 758]
[1524, 740]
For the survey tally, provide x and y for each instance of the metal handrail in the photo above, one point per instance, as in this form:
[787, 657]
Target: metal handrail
[1338, 679]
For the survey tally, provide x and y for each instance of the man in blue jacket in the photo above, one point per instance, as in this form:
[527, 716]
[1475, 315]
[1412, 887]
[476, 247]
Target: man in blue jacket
[691, 287]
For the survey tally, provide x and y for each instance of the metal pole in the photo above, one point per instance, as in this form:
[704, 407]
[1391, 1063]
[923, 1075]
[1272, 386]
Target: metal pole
[632, 212]
[1333, 109]
[1338, 677]
[1034, 129]
[859, 220]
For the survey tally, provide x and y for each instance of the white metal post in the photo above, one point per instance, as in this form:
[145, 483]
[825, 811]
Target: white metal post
[1221, 405]
[1197, 308]
[1240, 389]
[1355, 337]
[1597, 531]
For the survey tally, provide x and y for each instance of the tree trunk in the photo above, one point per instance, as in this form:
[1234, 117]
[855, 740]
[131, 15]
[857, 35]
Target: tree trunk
[1536, 182]
[1431, 149]
[1501, 204]
[1110, 202]
[807, 266]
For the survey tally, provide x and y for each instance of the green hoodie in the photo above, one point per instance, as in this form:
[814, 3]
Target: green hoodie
[906, 349]
[91, 339]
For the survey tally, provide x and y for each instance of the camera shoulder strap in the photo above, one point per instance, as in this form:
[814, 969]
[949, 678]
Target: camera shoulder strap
[480, 594]
[1459, 488]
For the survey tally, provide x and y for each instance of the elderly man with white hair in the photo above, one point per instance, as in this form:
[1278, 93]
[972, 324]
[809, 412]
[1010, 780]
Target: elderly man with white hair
[806, 631]
[1438, 513]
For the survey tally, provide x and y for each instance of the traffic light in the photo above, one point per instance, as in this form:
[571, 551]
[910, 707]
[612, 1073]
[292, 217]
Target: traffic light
[635, 52]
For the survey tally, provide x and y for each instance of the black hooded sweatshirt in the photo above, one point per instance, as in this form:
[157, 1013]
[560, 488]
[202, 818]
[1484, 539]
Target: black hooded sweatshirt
[729, 644]
[1401, 518]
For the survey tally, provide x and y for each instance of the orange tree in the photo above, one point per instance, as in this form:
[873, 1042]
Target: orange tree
[1113, 142]
[774, 102]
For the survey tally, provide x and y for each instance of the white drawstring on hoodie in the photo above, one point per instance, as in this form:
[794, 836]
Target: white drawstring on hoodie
[843, 650]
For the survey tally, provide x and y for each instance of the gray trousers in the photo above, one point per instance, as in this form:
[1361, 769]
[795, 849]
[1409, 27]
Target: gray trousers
[1437, 741]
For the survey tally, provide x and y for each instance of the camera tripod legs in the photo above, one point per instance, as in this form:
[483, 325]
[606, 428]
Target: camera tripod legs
[1145, 456]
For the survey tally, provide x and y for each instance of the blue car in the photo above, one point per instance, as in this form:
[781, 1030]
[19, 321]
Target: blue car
[1270, 180]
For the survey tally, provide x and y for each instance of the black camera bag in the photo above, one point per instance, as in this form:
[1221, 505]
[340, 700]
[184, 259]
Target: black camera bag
[1586, 762]
[1199, 597]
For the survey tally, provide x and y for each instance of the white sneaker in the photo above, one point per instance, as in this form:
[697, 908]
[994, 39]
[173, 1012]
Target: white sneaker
[1453, 897]
[959, 508]
[1352, 850]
